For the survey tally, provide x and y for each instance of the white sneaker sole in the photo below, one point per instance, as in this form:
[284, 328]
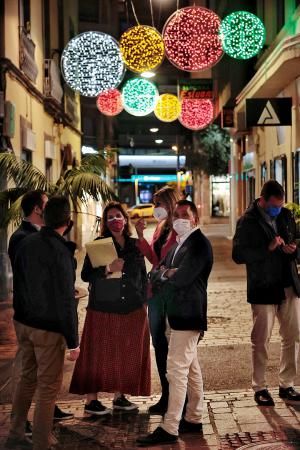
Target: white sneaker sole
[126, 408]
[98, 413]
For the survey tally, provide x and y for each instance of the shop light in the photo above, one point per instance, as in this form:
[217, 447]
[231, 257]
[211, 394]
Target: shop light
[148, 74]
[159, 141]
[154, 130]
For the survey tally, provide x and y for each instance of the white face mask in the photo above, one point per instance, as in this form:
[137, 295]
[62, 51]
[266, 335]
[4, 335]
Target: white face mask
[182, 226]
[160, 213]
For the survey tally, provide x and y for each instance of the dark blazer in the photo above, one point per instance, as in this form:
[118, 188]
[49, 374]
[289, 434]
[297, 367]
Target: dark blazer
[44, 292]
[118, 295]
[268, 273]
[24, 230]
[186, 291]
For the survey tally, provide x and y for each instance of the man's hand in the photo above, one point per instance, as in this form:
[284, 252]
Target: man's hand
[74, 354]
[170, 273]
[277, 242]
[289, 249]
[140, 226]
[116, 265]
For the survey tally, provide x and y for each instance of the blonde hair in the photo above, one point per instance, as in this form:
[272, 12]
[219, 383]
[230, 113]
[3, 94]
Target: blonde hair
[170, 197]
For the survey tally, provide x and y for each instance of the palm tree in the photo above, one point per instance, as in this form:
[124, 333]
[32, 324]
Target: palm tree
[78, 183]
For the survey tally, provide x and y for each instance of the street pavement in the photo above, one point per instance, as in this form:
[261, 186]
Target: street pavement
[231, 417]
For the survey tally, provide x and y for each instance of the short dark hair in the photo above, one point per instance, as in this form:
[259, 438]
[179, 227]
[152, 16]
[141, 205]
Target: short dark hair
[105, 232]
[272, 189]
[57, 212]
[30, 200]
[192, 207]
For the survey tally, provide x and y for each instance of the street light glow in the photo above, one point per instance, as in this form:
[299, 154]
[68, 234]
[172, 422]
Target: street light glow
[148, 74]
[154, 130]
[159, 141]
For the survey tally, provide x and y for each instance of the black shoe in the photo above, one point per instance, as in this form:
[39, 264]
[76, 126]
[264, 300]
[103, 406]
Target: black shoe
[159, 408]
[18, 443]
[189, 427]
[263, 398]
[122, 404]
[289, 395]
[28, 429]
[159, 436]
[60, 415]
[95, 407]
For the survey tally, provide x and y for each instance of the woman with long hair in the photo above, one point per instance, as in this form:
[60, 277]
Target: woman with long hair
[163, 239]
[115, 354]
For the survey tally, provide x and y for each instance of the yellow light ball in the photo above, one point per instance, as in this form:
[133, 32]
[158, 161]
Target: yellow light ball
[167, 108]
[142, 48]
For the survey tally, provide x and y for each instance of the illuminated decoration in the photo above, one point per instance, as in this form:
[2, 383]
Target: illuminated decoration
[191, 37]
[92, 63]
[243, 35]
[110, 102]
[139, 96]
[167, 108]
[142, 48]
[196, 114]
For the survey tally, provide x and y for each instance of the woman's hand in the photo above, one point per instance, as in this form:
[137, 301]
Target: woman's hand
[116, 265]
[140, 226]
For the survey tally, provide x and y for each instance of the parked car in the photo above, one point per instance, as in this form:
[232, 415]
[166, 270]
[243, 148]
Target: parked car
[142, 210]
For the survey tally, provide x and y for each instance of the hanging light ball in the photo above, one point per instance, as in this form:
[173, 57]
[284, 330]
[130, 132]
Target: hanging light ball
[139, 96]
[167, 108]
[110, 103]
[243, 34]
[191, 37]
[196, 113]
[142, 48]
[91, 63]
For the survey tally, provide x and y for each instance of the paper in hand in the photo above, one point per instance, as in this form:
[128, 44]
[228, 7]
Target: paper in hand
[101, 252]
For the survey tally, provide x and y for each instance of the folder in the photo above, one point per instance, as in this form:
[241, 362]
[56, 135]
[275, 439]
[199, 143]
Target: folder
[101, 252]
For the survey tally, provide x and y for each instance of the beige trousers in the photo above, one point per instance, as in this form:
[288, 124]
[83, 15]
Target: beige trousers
[42, 355]
[185, 377]
[288, 315]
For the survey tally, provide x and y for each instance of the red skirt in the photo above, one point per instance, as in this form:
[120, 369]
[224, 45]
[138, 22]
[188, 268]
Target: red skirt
[114, 354]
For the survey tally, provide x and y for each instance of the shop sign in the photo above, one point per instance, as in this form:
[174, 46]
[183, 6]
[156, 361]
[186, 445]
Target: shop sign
[269, 112]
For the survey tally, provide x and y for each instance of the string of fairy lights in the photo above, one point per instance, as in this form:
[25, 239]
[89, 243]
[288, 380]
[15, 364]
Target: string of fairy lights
[193, 39]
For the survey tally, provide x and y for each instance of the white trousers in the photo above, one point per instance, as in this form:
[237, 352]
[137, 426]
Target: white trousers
[288, 314]
[185, 378]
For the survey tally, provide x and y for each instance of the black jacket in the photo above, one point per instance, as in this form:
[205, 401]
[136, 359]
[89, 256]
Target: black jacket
[186, 307]
[24, 230]
[44, 292]
[118, 295]
[268, 273]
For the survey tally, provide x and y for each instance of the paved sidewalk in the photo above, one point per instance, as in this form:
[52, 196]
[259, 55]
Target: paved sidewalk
[231, 420]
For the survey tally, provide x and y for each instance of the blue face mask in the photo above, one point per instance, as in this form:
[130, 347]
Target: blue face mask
[273, 211]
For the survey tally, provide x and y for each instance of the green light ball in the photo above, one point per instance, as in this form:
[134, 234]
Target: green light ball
[139, 96]
[243, 34]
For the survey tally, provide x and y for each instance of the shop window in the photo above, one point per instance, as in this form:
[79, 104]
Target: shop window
[296, 178]
[263, 173]
[280, 172]
[220, 190]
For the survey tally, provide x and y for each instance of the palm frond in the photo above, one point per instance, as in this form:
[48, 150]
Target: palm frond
[80, 185]
[10, 205]
[22, 173]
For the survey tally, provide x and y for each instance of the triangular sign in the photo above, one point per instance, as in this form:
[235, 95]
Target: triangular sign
[268, 116]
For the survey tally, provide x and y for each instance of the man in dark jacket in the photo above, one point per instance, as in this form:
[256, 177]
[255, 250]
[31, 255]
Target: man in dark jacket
[45, 322]
[182, 277]
[265, 240]
[33, 204]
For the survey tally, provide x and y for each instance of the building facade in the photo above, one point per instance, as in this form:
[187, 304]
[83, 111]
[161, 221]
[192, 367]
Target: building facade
[39, 115]
[269, 152]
